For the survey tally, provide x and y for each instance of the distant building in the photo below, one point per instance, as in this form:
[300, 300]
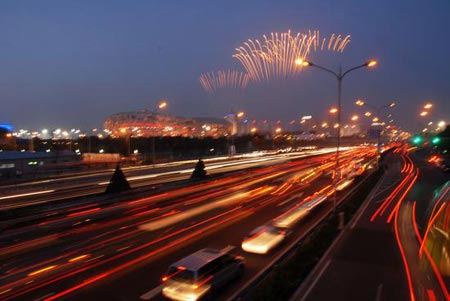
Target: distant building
[14, 163]
[148, 124]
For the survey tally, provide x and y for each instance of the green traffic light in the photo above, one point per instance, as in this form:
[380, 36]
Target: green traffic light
[436, 140]
[417, 140]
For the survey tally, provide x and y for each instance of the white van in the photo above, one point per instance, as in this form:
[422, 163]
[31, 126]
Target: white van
[194, 276]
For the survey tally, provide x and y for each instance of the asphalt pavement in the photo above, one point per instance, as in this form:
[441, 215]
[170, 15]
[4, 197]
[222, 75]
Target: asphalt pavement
[366, 262]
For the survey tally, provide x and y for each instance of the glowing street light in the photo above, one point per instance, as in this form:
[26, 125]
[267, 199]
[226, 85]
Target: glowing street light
[302, 62]
[240, 114]
[340, 75]
[371, 63]
[333, 111]
[376, 119]
[355, 117]
[359, 102]
[423, 113]
[278, 130]
[428, 106]
[161, 105]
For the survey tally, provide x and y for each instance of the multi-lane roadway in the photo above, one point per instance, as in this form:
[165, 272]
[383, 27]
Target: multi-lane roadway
[120, 250]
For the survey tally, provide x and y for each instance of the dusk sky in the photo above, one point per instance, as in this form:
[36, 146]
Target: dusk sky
[72, 63]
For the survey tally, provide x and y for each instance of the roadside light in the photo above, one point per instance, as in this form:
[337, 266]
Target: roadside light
[302, 62]
[162, 105]
[359, 102]
[333, 111]
[371, 63]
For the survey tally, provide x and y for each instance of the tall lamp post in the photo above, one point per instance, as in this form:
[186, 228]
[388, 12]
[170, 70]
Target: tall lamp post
[234, 117]
[340, 75]
[161, 105]
[377, 110]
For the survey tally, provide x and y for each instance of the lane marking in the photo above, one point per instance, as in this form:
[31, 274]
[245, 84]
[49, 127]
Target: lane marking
[316, 280]
[152, 293]
[379, 290]
[370, 198]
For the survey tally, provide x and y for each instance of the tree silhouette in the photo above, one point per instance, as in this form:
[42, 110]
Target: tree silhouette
[118, 182]
[199, 170]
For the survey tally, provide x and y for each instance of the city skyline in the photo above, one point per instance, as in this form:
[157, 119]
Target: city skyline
[76, 63]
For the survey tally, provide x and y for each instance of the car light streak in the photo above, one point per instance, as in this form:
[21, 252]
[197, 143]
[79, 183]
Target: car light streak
[428, 255]
[382, 208]
[430, 224]
[78, 258]
[41, 270]
[140, 247]
[402, 253]
[256, 192]
[397, 206]
[193, 212]
[28, 244]
[143, 257]
[148, 198]
[84, 212]
[25, 194]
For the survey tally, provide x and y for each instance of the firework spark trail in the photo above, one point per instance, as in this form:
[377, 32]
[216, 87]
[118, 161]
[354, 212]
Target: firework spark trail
[274, 57]
[212, 82]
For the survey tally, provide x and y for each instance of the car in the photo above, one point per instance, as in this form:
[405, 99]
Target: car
[263, 239]
[199, 274]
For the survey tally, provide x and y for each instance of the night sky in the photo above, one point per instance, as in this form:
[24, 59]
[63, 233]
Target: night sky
[72, 63]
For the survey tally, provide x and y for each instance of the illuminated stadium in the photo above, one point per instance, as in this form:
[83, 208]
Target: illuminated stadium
[148, 124]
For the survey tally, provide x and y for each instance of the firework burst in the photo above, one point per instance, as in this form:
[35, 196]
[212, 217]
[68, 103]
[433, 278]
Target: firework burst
[274, 57]
[212, 82]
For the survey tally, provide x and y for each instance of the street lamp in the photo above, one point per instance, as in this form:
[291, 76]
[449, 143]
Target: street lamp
[233, 119]
[333, 111]
[161, 105]
[377, 110]
[340, 75]
[428, 106]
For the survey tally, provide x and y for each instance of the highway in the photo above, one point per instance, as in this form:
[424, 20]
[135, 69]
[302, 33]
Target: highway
[377, 256]
[119, 251]
[85, 184]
